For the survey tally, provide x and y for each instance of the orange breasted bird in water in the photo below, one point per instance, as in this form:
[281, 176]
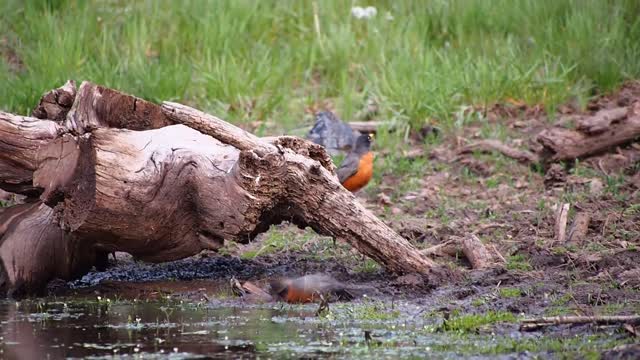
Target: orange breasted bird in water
[309, 288]
[357, 168]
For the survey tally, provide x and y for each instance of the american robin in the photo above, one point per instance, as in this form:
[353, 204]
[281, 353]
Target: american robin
[309, 288]
[335, 135]
[357, 168]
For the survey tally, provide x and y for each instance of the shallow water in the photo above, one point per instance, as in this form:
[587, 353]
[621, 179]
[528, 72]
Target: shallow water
[172, 329]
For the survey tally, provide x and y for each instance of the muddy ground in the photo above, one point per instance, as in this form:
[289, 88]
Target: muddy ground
[432, 194]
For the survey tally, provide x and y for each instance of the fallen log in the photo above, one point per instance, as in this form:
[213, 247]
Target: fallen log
[600, 133]
[371, 126]
[118, 176]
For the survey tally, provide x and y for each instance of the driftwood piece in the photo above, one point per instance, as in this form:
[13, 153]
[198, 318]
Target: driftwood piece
[477, 253]
[20, 138]
[561, 144]
[447, 248]
[560, 228]
[55, 104]
[536, 323]
[579, 228]
[523, 156]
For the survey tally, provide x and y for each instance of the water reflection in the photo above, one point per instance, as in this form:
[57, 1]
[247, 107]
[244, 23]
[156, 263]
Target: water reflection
[60, 330]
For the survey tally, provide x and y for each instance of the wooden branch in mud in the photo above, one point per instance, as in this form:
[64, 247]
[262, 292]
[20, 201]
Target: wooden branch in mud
[470, 246]
[601, 132]
[447, 248]
[536, 323]
[522, 156]
[477, 253]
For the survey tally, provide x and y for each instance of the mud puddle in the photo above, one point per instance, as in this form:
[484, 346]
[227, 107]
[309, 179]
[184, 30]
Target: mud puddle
[104, 327]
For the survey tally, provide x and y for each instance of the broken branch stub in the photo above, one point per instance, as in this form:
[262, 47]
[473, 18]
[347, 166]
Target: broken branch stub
[56, 103]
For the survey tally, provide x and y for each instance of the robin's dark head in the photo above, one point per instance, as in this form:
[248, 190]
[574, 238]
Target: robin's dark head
[363, 143]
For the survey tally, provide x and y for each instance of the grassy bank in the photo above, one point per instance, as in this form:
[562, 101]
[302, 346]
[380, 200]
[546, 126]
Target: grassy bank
[271, 61]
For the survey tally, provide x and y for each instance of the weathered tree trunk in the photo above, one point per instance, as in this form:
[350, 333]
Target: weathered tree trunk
[166, 192]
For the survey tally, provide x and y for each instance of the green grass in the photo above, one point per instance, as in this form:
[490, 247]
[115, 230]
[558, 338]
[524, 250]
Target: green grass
[368, 310]
[289, 239]
[510, 293]
[469, 323]
[268, 61]
[518, 262]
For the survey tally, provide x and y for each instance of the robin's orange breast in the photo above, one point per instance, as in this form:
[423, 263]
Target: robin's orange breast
[361, 178]
[295, 295]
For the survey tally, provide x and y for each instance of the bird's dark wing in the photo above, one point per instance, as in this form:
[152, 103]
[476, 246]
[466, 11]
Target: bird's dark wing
[348, 167]
[332, 133]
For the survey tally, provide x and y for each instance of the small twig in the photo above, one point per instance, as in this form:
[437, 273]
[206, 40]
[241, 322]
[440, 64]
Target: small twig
[535, 323]
[523, 156]
[485, 227]
[562, 215]
[498, 254]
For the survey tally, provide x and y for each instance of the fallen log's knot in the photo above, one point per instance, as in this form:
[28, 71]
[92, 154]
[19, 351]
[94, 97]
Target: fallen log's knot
[315, 170]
